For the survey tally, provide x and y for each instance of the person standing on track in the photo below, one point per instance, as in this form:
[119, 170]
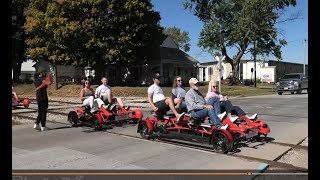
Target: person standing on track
[42, 99]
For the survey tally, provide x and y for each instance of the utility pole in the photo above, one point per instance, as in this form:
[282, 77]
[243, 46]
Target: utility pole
[304, 57]
[254, 60]
[219, 69]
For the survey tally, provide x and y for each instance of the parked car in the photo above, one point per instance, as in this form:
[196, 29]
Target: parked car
[294, 82]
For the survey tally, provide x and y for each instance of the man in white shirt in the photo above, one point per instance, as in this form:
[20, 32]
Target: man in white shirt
[104, 92]
[159, 103]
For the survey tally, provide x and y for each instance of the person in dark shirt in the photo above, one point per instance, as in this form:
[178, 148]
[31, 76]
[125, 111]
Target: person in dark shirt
[42, 100]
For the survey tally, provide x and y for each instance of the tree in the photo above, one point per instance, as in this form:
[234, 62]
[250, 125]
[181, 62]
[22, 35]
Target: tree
[18, 37]
[240, 24]
[95, 32]
[180, 37]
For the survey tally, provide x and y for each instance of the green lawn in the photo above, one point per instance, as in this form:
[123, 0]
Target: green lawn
[74, 90]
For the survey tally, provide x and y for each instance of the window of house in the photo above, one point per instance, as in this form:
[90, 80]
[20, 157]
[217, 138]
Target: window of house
[304, 77]
[28, 76]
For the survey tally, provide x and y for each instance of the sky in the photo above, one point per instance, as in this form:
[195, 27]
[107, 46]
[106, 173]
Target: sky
[295, 32]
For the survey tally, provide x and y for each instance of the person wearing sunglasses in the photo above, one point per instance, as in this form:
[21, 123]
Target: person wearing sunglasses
[159, 103]
[178, 94]
[87, 97]
[198, 107]
[225, 103]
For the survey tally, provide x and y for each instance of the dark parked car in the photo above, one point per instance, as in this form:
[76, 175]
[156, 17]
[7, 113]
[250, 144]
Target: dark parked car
[294, 82]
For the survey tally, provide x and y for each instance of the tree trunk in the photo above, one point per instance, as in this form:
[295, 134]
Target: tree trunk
[16, 72]
[236, 70]
[99, 73]
[55, 77]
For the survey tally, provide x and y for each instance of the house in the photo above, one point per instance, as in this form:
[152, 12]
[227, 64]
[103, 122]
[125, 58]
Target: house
[168, 60]
[65, 73]
[27, 71]
[266, 70]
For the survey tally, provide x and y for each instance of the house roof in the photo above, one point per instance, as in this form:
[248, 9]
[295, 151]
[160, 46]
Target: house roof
[176, 54]
[168, 37]
[246, 60]
[286, 62]
[215, 62]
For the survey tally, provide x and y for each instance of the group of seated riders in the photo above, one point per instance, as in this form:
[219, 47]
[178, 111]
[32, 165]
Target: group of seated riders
[102, 97]
[193, 102]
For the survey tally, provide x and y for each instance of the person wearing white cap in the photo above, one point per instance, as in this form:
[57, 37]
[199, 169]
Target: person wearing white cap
[159, 103]
[197, 106]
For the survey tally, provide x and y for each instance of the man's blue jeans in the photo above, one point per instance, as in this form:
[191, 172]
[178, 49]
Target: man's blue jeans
[184, 106]
[215, 102]
[202, 113]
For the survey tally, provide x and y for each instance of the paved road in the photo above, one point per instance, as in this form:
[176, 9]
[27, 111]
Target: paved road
[79, 148]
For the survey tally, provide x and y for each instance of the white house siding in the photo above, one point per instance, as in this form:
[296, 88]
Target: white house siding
[247, 74]
[212, 71]
[264, 72]
[267, 74]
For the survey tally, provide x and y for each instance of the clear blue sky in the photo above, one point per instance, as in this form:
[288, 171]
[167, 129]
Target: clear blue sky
[173, 14]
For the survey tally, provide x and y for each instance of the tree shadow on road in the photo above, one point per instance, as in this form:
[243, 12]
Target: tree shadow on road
[62, 127]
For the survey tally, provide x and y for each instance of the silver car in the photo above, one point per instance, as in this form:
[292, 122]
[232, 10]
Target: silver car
[294, 82]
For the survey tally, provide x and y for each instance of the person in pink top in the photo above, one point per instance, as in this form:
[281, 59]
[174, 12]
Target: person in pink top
[225, 104]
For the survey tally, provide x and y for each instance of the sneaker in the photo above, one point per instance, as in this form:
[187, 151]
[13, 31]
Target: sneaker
[106, 106]
[233, 118]
[253, 116]
[44, 128]
[221, 116]
[224, 127]
[36, 126]
[180, 118]
[112, 107]
[94, 109]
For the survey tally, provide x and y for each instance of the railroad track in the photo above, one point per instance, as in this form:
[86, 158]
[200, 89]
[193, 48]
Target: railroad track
[273, 163]
[32, 110]
[205, 148]
[295, 146]
[231, 154]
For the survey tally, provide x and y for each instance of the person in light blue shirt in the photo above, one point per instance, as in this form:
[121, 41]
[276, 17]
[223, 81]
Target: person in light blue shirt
[178, 94]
